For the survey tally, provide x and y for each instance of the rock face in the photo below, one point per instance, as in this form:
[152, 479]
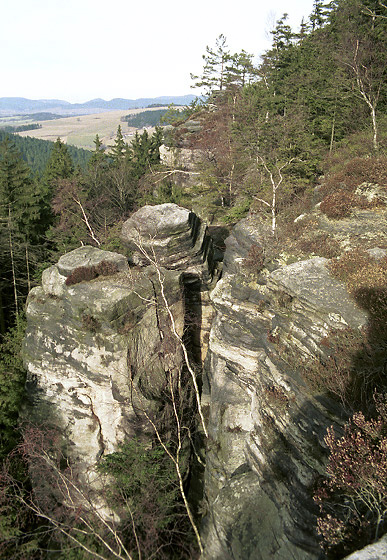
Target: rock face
[97, 359]
[266, 429]
[172, 235]
[94, 352]
[95, 349]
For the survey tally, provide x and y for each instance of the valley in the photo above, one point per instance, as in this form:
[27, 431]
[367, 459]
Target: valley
[80, 131]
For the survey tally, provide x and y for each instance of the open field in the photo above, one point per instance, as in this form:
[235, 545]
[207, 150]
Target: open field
[81, 131]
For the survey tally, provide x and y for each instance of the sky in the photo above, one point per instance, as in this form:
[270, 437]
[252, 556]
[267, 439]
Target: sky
[77, 50]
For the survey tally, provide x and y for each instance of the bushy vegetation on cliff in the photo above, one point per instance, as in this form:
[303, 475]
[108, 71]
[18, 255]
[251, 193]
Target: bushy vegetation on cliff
[316, 104]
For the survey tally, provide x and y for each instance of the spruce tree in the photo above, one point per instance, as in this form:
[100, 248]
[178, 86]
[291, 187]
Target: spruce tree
[117, 152]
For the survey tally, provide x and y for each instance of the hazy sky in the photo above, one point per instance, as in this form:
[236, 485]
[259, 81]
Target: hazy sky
[78, 50]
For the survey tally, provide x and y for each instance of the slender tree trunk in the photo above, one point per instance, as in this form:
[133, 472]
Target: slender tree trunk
[2, 319]
[28, 268]
[333, 126]
[12, 263]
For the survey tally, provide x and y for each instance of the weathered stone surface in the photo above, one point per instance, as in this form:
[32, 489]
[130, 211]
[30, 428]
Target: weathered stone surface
[372, 192]
[375, 551]
[181, 158]
[266, 430]
[173, 236]
[96, 357]
[88, 256]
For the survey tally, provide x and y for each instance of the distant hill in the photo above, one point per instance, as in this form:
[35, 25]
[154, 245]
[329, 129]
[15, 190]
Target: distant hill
[21, 105]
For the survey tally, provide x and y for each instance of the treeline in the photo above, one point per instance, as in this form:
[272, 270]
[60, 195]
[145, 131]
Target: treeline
[145, 118]
[36, 152]
[317, 95]
[21, 128]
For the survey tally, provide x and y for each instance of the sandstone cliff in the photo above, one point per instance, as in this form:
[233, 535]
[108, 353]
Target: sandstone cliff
[97, 356]
[96, 352]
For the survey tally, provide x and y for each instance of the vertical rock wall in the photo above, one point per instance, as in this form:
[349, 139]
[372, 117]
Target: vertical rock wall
[266, 429]
[98, 346]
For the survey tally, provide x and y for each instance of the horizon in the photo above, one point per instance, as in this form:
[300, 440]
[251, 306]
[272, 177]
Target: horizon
[95, 98]
[84, 51]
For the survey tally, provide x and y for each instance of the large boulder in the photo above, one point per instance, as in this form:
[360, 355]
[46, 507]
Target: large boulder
[168, 235]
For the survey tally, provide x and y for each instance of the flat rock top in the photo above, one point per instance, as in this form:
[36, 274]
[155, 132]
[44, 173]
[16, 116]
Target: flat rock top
[160, 221]
[311, 282]
[88, 256]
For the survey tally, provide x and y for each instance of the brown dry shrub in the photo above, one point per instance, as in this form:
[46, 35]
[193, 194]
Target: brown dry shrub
[90, 323]
[87, 273]
[354, 363]
[341, 203]
[321, 244]
[255, 259]
[276, 396]
[334, 372]
[366, 280]
[81, 274]
[355, 172]
[350, 263]
[106, 268]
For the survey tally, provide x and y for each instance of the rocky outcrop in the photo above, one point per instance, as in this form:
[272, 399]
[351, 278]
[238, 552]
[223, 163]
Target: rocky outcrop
[97, 355]
[97, 359]
[171, 235]
[94, 351]
[266, 428]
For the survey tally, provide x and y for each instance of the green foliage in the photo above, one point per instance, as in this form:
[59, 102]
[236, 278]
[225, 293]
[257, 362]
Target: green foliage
[237, 212]
[145, 118]
[36, 152]
[213, 78]
[145, 489]
[20, 128]
[59, 165]
[12, 386]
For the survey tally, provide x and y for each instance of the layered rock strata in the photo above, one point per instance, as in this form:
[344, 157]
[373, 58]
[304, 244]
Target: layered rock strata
[98, 348]
[266, 428]
[94, 353]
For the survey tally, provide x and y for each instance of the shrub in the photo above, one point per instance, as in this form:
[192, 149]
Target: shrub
[319, 243]
[352, 498]
[90, 323]
[255, 259]
[355, 172]
[81, 274]
[334, 372]
[276, 396]
[87, 273]
[350, 263]
[366, 280]
[144, 487]
[106, 268]
[341, 203]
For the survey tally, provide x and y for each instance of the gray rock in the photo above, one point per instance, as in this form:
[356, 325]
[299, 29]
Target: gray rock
[170, 235]
[88, 256]
[95, 356]
[262, 418]
[375, 551]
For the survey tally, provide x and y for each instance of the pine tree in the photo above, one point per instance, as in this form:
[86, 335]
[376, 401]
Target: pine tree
[20, 226]
[213, 78]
